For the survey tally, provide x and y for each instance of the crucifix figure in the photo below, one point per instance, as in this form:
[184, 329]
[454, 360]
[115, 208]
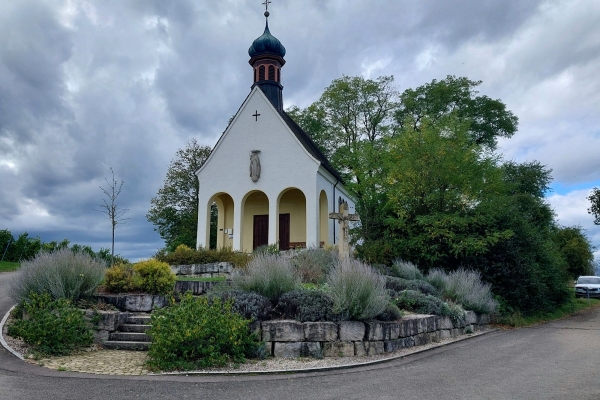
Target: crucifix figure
[343, 218]
[256, 115]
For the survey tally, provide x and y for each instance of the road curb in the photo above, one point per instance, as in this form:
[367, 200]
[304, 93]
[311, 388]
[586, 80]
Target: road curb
[3, 342]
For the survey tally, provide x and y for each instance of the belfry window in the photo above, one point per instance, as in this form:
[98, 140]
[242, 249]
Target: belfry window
[261, 73]
[271, 73]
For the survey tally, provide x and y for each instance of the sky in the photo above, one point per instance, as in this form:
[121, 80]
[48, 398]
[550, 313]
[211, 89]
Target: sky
[90, 85]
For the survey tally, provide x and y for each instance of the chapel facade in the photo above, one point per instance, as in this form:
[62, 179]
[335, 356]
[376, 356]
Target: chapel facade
[270, 182]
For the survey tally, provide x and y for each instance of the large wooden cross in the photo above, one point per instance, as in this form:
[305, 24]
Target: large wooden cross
[343, 218]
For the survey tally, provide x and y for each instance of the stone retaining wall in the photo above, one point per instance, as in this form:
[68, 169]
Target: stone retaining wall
[108, 322]
[212, 270]
[291, 339]
[134, 302]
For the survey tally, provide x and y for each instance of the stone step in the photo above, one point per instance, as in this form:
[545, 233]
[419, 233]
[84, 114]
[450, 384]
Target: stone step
[138, 319]
[135, 328]
[129, 337]
[124, 345]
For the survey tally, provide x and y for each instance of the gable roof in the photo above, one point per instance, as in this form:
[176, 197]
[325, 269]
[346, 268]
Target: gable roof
[309, 145]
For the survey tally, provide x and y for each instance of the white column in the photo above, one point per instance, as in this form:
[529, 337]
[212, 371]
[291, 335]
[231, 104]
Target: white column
[202, 234]
[273, 217]
[312, 219]
[237, 223]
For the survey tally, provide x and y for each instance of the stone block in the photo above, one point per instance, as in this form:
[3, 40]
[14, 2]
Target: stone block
[287, 349]
[282, 331]
[109, 320]
[225, 267]
[456, 332]
[338, 349]
[369, 348]
[471, 317]
[483, 319]
[408, 327]
[445, 334]
[444, 322]
[423, 338]
[101, 336]
[311, 349]
[407, 342]
[431, 323]
[185, 269]
[351, 331]
[320, 331]
[382, 331]
[255, 328]
[390, 346]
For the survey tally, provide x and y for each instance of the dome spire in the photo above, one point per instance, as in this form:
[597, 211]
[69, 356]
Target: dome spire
[266, 58]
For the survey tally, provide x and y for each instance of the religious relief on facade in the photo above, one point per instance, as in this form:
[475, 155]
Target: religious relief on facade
[254, 165]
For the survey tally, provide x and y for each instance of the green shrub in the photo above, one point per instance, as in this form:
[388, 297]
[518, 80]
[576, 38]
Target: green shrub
[120, 278]
[155, 276]
[357, 290]
[199, 333]
[418, 302]
[251, 306]
[405, 270]
[63, 274]
[184, 255]
[313, 264]
[51, 327]
[465, 287]
[395, 285]
[269, 275]
[391, 313]
[307, 306]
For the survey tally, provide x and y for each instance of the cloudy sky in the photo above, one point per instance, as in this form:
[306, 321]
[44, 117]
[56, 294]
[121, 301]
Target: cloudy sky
[88, 85]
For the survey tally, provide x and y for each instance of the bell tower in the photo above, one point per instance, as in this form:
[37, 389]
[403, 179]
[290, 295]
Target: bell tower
[266, 58]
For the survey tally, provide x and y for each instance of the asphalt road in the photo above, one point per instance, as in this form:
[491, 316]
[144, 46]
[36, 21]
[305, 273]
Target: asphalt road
[558, 360]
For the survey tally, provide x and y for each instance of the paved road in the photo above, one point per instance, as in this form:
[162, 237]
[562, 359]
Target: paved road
[552, 361]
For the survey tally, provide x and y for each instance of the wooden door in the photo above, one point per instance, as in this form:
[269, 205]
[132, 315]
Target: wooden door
[284, 231]
[261, 231]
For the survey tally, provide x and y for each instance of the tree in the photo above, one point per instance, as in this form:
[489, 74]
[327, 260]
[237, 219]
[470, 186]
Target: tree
[594, 198]
[111, 209]
[487, 119]
[174, 209]
[576, 250]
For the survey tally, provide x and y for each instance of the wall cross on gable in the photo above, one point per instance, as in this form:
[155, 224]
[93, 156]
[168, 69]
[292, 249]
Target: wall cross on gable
[256, 115]
[344, 218]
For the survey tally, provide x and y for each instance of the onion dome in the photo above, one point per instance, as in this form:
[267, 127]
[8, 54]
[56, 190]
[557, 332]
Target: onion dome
[266, 44]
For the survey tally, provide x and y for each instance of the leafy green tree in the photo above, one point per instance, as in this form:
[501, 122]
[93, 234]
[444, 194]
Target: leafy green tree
[594, 209]
[576, 249]
[174, 209]
[487, 118]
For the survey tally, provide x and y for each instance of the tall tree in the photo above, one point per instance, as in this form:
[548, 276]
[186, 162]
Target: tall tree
[487, 118]
[594, 209]
[174, 209]
[111, 209]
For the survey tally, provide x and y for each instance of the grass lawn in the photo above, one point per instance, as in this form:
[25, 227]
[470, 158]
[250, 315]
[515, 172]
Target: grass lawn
[8, 266]
[216, 279]
[571, 307]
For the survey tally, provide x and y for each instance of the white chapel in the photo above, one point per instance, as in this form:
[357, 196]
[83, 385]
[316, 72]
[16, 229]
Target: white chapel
[270, 182]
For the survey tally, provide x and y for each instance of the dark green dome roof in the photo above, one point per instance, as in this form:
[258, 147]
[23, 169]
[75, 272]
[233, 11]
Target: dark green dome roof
[266, 44]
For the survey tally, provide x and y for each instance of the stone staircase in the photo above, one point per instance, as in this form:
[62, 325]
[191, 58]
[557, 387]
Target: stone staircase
[131, 335]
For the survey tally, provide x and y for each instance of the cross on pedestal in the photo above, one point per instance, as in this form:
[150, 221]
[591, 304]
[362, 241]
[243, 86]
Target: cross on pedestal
[343, 218]
[256, 115]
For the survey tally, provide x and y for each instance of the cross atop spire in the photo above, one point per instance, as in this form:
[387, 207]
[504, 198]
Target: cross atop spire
[266, 4]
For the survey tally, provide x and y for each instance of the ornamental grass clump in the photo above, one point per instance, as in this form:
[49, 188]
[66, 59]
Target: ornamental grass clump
[313, 264]
[199, 332]
[269, 275]
[50, 326]
[465, 287]
[357, 290]
[405, 270]
[395, 285]
[62, 274]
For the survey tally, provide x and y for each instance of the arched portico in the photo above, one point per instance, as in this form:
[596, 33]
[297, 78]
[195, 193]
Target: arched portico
[254, 220]
[225, 212]
[291, 227]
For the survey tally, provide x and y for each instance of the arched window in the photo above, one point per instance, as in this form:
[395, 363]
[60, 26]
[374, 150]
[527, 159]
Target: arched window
[271, 72]
[261, 73]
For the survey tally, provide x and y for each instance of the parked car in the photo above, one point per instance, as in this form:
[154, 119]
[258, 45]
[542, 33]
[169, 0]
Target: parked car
[587, 284]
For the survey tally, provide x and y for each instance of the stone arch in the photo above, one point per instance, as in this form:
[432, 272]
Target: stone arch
[291, 226]
[224, 228]
[255, 208]
[323, 219]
